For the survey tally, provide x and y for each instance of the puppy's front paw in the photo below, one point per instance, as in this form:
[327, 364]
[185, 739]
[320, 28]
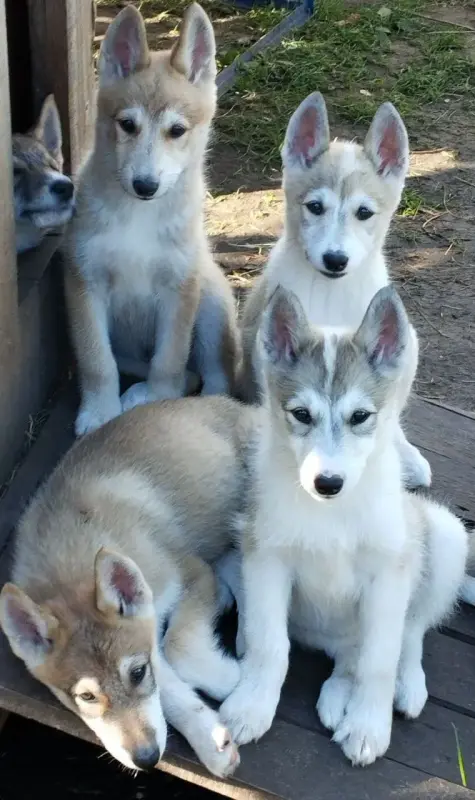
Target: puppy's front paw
[218, 753]
[248, 712]
[136, 395]
[334, 696]
[411, 691]
[365, 731]
[95, 412]
[142, 393]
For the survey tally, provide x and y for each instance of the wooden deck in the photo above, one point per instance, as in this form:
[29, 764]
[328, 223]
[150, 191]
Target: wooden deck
[297, 760]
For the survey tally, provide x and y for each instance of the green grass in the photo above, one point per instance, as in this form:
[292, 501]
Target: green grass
[460, 759]
[357, 58]
[241, 27]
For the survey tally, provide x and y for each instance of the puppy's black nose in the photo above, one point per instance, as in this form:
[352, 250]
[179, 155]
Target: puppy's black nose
[63, 189]
[335, 261]
[145, 188]
[146, 757]
[328, 485]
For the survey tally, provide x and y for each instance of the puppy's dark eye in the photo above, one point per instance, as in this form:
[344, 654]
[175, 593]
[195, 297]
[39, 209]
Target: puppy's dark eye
[177, 130]
[87, 697]
[128, 125]
[359, 416]
[315, 207]
[302, 415]
[137, 674]
[364, 213]
[17, 172]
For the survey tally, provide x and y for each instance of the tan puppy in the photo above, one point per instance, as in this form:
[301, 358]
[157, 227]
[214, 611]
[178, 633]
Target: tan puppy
[144, 294]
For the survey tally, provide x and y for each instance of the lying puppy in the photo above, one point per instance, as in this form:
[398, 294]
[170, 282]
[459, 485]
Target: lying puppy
[115, 548]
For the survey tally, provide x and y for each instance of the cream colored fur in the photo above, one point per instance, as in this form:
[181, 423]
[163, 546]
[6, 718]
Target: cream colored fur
[143, 292]
[118, 543]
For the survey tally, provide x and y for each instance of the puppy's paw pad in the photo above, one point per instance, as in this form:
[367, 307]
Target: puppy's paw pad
[333, 700]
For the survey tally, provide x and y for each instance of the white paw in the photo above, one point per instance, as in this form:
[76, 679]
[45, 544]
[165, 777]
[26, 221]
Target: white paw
[334, 697]
[94, 413]
[365, 732]
[136, 395]
[411, 692]
[248, 712]
[218, 752]
[142, 393]
[417, 470]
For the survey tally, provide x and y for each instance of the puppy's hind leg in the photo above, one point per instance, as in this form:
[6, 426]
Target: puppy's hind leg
[216, 349]
[190, 644]
[198, 723]
[435, 599]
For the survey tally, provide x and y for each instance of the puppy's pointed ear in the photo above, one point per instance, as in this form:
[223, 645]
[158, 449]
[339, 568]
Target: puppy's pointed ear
[284, 327]
[120, 586]
[387, 143]
[124, 49]
[384, 332]
[308, 133]
[194, 54]
[48, 128]
[29, 628]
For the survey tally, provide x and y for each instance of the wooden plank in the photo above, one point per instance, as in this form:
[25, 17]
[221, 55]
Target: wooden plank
[427, 744]
[9, 321]
[295, 19]
[3, 718]
[61, 52]
[55, 438]
[447, 439]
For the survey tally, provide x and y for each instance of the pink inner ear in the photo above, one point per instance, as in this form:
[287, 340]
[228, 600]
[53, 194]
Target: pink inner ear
[389, 150]
[305, 139]
[123, 54]
[282, 335]
[388, 335]
[200, 51]
[124, 583]
[24, 624]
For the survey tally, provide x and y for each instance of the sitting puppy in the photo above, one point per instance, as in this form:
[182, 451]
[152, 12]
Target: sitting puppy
[43, 196]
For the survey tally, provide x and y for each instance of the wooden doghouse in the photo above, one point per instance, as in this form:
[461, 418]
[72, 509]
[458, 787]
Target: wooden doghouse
[49, 50]
[45, 46]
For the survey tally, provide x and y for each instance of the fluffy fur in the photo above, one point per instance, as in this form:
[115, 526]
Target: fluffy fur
[144, 294]
[117, 548]
[339, 201]
[360, 566]
[43, 196]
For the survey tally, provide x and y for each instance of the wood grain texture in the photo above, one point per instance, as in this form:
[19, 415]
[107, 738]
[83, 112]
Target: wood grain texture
[9, 320]
[61, 53]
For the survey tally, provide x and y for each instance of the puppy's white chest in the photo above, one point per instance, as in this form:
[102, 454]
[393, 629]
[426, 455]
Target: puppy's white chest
[133, 254]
